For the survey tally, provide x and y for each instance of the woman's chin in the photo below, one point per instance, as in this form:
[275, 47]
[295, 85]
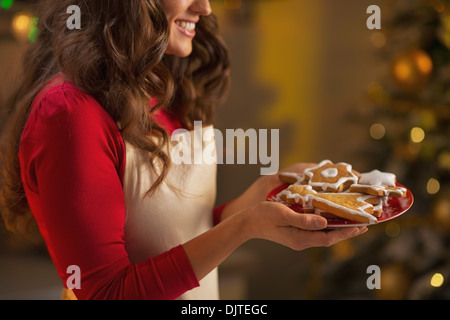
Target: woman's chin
[179, 51]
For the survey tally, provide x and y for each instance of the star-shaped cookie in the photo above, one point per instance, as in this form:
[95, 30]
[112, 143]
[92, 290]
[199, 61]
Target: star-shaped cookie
[378, 178]
[331, 177]
[377, 183]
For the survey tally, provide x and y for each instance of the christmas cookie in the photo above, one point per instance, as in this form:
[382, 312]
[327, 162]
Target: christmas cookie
[378, 178]
[379, 191]
[352, 206]
[297, 194]
[377, 183]
[335, 190]
[291, 177]
[331, 177]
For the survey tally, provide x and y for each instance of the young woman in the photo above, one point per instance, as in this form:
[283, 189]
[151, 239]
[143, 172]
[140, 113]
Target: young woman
[86, 153]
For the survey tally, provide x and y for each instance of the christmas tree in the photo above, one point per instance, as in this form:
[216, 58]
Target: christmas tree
[407, 118]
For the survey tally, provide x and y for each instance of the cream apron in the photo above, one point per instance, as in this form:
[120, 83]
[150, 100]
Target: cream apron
[171, 216]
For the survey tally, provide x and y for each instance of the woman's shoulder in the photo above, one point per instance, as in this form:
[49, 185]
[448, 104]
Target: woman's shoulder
[60, 95]
[65, 112]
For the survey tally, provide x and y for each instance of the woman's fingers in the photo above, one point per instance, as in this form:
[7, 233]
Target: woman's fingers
[305, 221]
[337, 235]
[307, 230]
[329, 237]
[276, 222]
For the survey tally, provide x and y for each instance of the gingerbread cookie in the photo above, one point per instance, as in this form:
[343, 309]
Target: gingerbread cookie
[352, 206]
[378, 178]
[377, 183]
[297, 194]
[336, 190]
[331, 177]
[291, 177]
[379, 191]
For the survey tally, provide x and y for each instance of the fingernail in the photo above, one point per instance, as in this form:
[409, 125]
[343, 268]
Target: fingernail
[359, 231]
[320, 223]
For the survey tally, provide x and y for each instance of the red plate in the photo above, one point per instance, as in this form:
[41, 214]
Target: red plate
[395, 207]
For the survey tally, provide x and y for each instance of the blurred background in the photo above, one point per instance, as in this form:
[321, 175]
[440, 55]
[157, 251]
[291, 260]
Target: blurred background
[336, 90]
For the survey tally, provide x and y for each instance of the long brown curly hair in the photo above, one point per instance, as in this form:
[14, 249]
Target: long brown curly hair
[118, 57]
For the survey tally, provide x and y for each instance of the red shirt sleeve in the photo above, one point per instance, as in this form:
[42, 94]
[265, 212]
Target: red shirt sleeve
[217, 213]
[72, 160]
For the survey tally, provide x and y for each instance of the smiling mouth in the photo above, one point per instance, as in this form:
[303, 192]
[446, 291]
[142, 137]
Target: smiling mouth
[186, 27]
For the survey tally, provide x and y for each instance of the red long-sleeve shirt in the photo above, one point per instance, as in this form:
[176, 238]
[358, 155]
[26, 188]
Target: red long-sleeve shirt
[72, 160]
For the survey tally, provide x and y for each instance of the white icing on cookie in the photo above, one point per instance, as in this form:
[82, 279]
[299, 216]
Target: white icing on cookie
[296, 196]
[329, 173]
[297, 177]
[310, 195]
[331, 185]
[378, 178]
[385, 190]
[360, 211]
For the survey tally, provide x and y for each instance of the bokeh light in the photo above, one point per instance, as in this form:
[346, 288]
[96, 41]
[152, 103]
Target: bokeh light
[377, 131]
[417, 135]
[24, 27]
[433, 186]
[6, 4]
[437, 280]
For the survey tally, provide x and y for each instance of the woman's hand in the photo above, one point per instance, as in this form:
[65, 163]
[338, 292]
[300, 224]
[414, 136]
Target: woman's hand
[276, 222]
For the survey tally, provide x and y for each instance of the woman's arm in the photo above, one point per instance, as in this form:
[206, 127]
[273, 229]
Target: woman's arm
[72, 159]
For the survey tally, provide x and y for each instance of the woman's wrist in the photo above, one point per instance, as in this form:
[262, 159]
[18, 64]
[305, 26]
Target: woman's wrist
[210, 249]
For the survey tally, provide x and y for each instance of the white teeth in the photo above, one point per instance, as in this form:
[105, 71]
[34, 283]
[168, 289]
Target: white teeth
[189, 26]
